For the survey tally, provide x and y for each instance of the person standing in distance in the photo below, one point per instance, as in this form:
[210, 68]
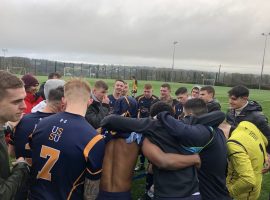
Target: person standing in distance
[134, 86]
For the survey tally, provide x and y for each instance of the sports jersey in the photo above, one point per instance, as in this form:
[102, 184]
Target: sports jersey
[111, 103]
[23, 130]
[247, 155]
[144, 105]
[65, 149]
[126, 106]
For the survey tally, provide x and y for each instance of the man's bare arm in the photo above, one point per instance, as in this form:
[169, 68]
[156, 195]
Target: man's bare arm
[169, 161]
[91, 189]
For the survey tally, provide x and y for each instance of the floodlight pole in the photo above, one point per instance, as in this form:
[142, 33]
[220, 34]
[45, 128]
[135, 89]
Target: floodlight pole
[219, 68]
[174, 43]
[265, 43]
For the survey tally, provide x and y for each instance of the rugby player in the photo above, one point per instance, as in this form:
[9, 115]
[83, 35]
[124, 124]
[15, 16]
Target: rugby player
[117, 93]
[66, 149]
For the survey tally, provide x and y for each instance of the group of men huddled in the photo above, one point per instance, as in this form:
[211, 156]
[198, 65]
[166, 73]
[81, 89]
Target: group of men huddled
[80, 143]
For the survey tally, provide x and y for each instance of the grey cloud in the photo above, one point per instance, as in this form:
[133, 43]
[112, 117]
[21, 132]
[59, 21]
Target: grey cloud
[210, 32]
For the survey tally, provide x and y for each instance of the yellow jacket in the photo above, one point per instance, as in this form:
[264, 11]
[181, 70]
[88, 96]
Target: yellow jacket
[247, 156]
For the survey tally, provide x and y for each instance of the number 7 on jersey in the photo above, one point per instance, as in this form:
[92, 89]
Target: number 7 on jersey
[53, 155]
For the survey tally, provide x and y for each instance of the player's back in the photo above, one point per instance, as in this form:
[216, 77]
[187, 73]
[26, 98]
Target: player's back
[247, 156]
[119, 161]
[60, 147]
[212, 173]
[23, 130]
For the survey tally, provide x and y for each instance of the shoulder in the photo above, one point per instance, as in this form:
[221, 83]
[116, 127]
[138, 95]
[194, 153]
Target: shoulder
[140, 97]
[154, 97]
[256, 117]
[213, 105]
[253, 106]
[110, 96]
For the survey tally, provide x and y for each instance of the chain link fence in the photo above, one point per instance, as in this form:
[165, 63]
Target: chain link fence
[40, 67]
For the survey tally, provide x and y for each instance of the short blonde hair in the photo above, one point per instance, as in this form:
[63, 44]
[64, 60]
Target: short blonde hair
[77, 89]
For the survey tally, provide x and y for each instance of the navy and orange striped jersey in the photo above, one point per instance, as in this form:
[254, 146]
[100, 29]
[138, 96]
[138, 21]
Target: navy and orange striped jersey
[126, 106]
[65, 149]
[144, 105]
[23, 130]
[111, 103]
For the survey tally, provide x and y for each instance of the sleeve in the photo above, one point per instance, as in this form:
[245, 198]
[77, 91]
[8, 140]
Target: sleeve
[94, 153]
[242, 166]
[94, 117]
[17, 142]
[123, 124]
[214, 118]
[18, 177]
[189, 135]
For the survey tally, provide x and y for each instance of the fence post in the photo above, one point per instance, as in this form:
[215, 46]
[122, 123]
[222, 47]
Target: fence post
[89, 71]
[81, 68]
[35, 67]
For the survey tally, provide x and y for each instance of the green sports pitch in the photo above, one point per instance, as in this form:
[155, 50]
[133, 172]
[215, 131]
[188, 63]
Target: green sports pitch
[261, 96]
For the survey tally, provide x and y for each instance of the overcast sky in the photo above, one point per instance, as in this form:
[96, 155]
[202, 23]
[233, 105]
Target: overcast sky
[140, 32]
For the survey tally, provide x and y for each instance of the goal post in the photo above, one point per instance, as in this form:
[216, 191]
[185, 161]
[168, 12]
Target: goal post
[209, 81]
[17, 70]
[76, 71]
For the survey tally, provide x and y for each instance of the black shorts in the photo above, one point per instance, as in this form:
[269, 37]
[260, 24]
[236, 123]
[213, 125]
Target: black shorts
[102, 195]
